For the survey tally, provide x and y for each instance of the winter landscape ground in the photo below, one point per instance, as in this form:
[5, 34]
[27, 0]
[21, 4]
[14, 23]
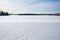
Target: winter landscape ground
[29, 28]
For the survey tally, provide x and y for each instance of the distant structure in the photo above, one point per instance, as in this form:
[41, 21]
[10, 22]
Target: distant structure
[3, 13]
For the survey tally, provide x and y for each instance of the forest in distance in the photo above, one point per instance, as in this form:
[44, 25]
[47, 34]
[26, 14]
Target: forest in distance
[2, 13]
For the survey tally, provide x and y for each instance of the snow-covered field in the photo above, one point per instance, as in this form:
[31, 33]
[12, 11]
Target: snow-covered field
[29, 27]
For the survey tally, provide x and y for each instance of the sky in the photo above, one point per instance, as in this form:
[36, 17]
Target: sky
[30, 6]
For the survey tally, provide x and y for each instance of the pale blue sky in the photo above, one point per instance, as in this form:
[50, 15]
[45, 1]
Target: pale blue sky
[35, 6]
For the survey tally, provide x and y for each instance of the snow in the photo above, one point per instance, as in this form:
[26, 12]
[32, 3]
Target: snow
[29, 18]
[29, 28]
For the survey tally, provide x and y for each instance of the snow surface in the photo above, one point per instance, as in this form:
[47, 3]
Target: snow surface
[29, 18]
[29, 28]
